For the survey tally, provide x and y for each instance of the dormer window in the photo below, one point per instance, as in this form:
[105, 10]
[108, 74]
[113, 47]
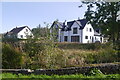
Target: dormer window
[65, 28]
[26, 30]
[75, 31]
[97, 31]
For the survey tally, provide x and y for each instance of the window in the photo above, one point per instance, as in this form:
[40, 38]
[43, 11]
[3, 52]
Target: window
[86, 37]
[90, 30]
[74, 38]
[98, 31]
[26, 30]
[65, 38]
[21, 36]
[74, 30]
[101, 39]
[86, 29]
[90, 37]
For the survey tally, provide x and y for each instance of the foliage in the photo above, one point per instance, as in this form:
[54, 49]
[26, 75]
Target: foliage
[80, 54]
[40, 31]
[5, 39]
[42, 53]
[104, 15]
[96, 72]
[54, 29]
[102, 56]
[11, 58]
[90, 46]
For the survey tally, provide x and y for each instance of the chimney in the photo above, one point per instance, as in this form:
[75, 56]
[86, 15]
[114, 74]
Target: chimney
[64, 22]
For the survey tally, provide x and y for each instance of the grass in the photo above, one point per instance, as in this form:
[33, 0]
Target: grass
[10, 75]
[82, 54]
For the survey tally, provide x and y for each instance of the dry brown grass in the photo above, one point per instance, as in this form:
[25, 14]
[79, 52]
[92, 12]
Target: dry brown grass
[78, 51]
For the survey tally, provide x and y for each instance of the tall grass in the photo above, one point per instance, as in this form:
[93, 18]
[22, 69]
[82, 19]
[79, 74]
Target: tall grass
[80, 54]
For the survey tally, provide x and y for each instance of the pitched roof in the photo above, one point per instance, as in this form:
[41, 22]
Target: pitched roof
[97, 32]
[81, 23]
[61, 25]
[16, 30]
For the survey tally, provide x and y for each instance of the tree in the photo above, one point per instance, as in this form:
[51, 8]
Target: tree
[104, 15]
[42, 52]
[11, 57]
[40, 31]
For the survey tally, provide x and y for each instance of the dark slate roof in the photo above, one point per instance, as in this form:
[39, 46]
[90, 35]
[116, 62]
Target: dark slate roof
[59, 24]
[97, 32]
[70, 23]
[81, 23]
[16, 30]
[64, 27]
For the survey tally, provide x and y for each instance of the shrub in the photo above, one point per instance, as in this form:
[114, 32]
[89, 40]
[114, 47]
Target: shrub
[90, 46]
[11, 57]
[42, 53]
[102, 56]
[107, 55]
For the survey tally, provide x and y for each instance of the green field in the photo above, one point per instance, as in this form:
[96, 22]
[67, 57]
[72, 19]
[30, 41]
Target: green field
[10, 75]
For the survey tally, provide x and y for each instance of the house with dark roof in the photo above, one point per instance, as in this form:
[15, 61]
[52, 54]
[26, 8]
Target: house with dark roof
[76, 31]
[19, 33]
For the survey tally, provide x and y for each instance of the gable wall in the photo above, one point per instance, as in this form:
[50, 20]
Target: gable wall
[70, 33]
[88, 33]
[24, 33]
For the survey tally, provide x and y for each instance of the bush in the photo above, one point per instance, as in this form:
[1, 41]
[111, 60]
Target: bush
[42, 53]
[106, 55]
[90, 46]
[11, 57]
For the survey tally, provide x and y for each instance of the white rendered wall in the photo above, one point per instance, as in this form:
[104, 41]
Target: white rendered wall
[75, 25]
[86, 32]
[98, 38]
[62, 36]
[81, 33]
[24, 33]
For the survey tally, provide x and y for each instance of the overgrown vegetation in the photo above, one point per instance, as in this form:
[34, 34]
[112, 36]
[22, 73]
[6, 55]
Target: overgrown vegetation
[42, 52]
[45, 54]
[80, 54]
[11, 57]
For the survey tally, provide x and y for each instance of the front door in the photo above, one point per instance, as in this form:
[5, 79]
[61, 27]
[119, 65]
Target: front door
[65, 38]
[92, 39]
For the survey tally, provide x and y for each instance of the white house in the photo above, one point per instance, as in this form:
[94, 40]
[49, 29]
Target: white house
[19, 32]
[76, 31]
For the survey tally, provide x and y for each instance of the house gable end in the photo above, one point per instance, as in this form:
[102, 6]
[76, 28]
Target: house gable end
[58, 24]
